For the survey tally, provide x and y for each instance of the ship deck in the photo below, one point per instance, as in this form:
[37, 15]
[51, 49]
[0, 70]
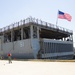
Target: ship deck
[47, 29]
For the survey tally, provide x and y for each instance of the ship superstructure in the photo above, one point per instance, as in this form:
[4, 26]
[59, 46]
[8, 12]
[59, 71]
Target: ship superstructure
[32, 38]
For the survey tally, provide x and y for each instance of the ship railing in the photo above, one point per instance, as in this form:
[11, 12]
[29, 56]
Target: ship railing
[37, 21]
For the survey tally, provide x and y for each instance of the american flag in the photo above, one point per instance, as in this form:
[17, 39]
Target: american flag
[63, 15]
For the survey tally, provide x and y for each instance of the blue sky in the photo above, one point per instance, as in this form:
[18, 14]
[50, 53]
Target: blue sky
[14, 10]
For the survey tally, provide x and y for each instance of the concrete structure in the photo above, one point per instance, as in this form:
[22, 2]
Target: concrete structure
[33, 38]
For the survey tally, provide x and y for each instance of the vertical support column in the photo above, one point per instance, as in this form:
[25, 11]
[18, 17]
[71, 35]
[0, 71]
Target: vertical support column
[71, 37]
[64, 39]
[37, 32]
[1, 42]
[12, 35]
[3, 38]
[22, 33]
[12, 38]
[31, 31]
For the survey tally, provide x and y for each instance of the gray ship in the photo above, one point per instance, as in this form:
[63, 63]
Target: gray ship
[35, 39]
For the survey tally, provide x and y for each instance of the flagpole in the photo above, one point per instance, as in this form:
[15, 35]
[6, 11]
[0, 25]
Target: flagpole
[57, 18]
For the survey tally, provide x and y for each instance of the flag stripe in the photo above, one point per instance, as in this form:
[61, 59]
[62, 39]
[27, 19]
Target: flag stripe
[68, 17]
[61, 16]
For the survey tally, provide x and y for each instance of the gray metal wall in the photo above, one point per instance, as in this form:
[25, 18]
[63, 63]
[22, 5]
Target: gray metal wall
[57, 49]
[19, 49]
[50, 47]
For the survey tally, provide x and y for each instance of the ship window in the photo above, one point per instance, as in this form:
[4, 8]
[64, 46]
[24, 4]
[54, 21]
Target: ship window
[34, 32]
[26, 32]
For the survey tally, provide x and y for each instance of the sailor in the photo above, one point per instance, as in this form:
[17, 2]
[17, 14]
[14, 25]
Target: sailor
[9, 57]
